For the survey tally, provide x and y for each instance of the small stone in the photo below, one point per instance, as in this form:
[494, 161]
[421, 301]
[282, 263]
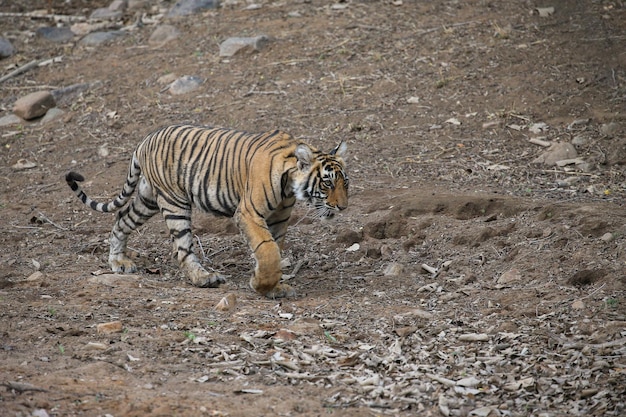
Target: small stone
[232, 46]
[35, 276]
[118, 5]
[52, 114]
[110, 327]
[187, 7]
[285, 334]
[105, 14]
[557, 152]
[167, 78]
[34, 105]
[98, 38]
[6, 48]
[10, 119]
[227, 303]
[96, 346]
[609, 129]
[23, 164]
[578, 305]
[163, 34]
[393, 269]
[607, 237]
[185, 84]
[510, 276]
[56, 34]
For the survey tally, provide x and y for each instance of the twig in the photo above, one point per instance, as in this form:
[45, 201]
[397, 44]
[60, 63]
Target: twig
[21, 387]
[44, 218]
[18, 71]
[56, 17]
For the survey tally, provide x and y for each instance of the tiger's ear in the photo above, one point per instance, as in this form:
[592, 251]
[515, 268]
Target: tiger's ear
[341, 150]
[304, 155]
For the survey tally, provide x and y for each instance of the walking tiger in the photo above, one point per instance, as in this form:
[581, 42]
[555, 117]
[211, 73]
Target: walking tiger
[255, 178]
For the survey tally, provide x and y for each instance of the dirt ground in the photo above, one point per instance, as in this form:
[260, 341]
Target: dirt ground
[483, 284]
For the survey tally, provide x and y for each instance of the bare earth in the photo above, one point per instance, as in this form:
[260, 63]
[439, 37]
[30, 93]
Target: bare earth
[524, 312]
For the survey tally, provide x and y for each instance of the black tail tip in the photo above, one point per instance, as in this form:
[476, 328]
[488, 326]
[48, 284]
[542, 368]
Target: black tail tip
[73, 177]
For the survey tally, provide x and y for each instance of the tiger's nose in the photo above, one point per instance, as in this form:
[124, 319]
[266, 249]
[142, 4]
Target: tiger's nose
[342, 206]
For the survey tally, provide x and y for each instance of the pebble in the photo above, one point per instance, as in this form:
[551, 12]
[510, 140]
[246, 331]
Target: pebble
[510, 276]
[35, 276]
[607, 237]
[185, 84]
[98, 38]
[10, 119]
[105, 14]
[110, 327]
[34, 105]
[227, 303]
[609, 129]
[6, 48]
[557, 152]
[232, 46]
[393, 270]
[187, 7]
[54, 113]
[56, 34]
[578, 305]
[163, 34]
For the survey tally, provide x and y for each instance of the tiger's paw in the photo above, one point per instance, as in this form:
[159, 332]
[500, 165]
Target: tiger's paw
[201, 278]
[122, 264]
[281, 291]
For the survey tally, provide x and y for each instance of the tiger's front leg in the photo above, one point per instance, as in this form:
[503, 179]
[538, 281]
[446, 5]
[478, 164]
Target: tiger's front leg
[267, 272]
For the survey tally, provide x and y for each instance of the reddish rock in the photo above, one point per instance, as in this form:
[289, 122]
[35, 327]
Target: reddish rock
[34, 105]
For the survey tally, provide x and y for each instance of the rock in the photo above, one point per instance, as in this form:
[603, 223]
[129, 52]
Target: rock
[609, 129]
[557, 152]
[232, 46]
[185, 84]
[110, 327]
[607, 237]
[6, 48]
[510, 276]
[580, 140]
[227, 303]
[118, 5]
[52, 114]
[56, 34]
[393, 269]
[98, 38]
[578, 305]
[163, 34]
[105, 14]
[285, 334]
[23, 164]
[83, 28]
[34, 105]
[10, 119]
[187, 7]
[95, 346]
[35, 276]
[167, 78]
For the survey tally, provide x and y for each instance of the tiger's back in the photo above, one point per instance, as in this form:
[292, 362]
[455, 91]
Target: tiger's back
[210, 167]
[255, 178]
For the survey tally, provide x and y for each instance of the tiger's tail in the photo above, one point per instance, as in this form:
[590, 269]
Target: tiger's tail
[132, 179]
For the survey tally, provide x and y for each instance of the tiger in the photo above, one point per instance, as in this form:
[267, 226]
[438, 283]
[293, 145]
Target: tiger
[255, 178]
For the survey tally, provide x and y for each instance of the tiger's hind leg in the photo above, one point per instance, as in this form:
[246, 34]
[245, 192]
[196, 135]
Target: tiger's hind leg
[178, 220]
[142, 208]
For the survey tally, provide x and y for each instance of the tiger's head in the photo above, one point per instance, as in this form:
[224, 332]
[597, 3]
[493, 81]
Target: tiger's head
[321, 179]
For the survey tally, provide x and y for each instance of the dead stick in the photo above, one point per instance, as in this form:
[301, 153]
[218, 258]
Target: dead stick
[59, 17]
[18, 71]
